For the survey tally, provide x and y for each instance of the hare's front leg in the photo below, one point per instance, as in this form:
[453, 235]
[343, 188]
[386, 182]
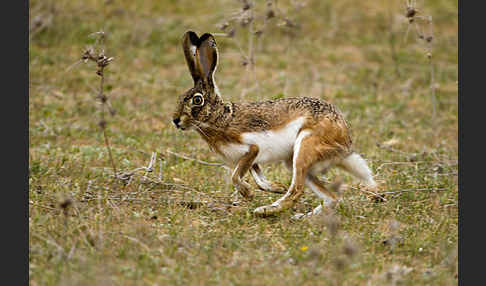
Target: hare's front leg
[240, 170]
[264, 184]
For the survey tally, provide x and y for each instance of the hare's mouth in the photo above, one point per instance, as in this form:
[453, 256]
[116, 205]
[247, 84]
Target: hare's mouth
[179, 125]
[182, 123]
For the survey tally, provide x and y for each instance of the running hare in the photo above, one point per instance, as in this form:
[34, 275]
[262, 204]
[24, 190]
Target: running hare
[308, 134]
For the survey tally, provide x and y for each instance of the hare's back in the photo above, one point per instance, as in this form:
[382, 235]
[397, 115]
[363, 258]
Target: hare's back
[274, 126]
[275, 114]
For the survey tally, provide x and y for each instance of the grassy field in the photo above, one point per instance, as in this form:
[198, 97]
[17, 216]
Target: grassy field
[181, 224]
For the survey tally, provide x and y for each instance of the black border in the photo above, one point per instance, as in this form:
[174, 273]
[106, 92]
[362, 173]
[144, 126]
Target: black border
[471, 90]
[15, 142]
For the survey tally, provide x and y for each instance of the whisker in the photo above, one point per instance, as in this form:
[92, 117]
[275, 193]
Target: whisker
[202, 132]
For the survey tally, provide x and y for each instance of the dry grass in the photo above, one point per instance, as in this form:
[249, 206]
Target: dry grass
[177, 224]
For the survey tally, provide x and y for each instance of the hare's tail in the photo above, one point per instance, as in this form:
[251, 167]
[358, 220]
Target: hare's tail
[358, 167]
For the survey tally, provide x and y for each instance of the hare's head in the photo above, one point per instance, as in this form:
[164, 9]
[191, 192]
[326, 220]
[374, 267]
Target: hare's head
[196, 105]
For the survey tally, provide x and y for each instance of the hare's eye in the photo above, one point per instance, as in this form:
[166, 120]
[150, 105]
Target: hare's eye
[197, 100]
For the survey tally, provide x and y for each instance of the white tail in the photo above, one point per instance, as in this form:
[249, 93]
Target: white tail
[358, 167]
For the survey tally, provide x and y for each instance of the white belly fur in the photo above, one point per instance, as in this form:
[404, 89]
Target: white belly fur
[273, 145]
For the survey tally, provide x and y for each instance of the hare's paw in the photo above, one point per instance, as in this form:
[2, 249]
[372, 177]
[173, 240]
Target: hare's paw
[314, 212]
[273, 187]
[273, 209]
[278, 188]
[269, 210]
[298, 216]
[245, 190]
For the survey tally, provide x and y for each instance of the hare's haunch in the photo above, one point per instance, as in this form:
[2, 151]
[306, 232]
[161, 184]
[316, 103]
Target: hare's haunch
[308, 134]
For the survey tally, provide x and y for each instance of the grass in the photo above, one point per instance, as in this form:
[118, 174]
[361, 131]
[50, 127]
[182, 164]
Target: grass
[180, 227]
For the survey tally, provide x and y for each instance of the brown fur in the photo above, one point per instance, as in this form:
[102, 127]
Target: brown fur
[275, 187]
[242, 167]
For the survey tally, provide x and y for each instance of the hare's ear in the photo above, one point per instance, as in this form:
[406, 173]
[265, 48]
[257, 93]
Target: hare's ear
[190, 42]
[207, 56]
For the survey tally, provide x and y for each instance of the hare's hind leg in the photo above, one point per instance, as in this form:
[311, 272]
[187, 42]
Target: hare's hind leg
[305, 155]
[263, 183]
[317, 186]
[240, 170]
[319, 189]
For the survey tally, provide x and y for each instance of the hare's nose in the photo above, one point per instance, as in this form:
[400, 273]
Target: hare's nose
[176, 122]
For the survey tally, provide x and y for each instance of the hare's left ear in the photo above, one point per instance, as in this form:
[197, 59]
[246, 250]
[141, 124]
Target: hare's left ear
[190, 42]
[207, 56]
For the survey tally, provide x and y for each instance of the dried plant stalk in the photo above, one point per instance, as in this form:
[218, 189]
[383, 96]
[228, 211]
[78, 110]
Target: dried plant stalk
[426, 35]
[102, 61]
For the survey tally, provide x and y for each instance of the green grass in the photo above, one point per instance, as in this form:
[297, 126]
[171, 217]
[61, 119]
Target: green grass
[141, 233]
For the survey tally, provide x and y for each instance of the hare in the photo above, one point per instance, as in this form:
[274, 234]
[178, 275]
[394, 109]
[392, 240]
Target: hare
[308, 134]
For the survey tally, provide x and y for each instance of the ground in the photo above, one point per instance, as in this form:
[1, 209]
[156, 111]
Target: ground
[182, 223]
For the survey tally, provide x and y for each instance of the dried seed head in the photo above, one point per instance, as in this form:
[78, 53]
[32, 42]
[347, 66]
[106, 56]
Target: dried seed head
[88, 55]
[102, 124]
[223, 26]
[245, 20]
[411, 12]
[270, 14]
[246, 5]
[429, 39]
[103, 61]
[64, 204]
[231, 33]
[103, 98]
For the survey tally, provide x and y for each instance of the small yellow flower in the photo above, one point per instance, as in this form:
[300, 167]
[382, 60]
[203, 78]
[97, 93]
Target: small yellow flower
[304, 248]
